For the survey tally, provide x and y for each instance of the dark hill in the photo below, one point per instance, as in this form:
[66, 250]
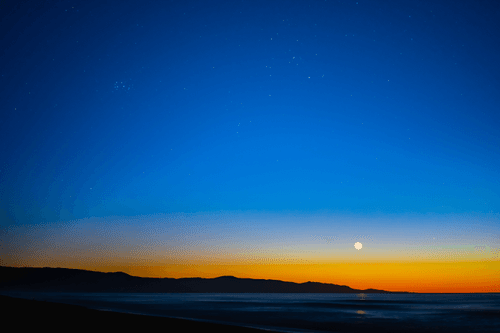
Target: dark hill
[76, 280]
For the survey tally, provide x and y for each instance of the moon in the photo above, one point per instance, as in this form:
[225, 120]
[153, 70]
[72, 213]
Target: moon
[358, 246]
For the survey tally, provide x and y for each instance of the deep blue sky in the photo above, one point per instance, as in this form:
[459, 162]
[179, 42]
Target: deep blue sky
[128, 108]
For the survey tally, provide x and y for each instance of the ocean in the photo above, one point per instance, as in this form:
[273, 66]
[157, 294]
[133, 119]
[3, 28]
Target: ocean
[305, 312]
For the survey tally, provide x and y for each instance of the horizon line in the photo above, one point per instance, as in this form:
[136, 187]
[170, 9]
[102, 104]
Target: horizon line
[232, 276]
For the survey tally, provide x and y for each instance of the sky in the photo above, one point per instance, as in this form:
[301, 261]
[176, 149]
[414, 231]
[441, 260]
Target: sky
[259, 139]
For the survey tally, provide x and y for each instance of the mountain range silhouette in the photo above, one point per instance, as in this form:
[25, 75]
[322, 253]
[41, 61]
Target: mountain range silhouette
[77, 280]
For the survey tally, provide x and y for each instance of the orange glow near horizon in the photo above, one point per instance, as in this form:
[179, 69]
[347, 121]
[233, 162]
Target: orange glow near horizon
[419, 277]
[458, 257]
[461, 277]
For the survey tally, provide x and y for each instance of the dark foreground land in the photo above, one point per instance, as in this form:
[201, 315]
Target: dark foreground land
[36, 315]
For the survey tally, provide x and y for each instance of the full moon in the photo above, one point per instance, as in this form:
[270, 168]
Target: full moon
[358, 246]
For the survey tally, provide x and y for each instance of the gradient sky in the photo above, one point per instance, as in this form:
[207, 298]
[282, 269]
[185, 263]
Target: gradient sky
[258, 139]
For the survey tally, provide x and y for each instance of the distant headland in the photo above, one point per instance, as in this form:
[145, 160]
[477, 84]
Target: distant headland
[77, 280]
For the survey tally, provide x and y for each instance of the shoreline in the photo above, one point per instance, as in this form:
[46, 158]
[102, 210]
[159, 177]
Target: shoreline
[34, 314]
[59, 317]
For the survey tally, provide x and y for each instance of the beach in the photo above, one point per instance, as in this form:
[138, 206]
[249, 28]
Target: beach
[58, 317]
[254, 313]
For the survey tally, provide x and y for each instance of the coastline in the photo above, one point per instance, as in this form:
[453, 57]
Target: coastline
[59, 317]
[346, 316]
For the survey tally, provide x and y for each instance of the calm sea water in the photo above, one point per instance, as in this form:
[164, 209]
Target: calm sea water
[306, 312]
